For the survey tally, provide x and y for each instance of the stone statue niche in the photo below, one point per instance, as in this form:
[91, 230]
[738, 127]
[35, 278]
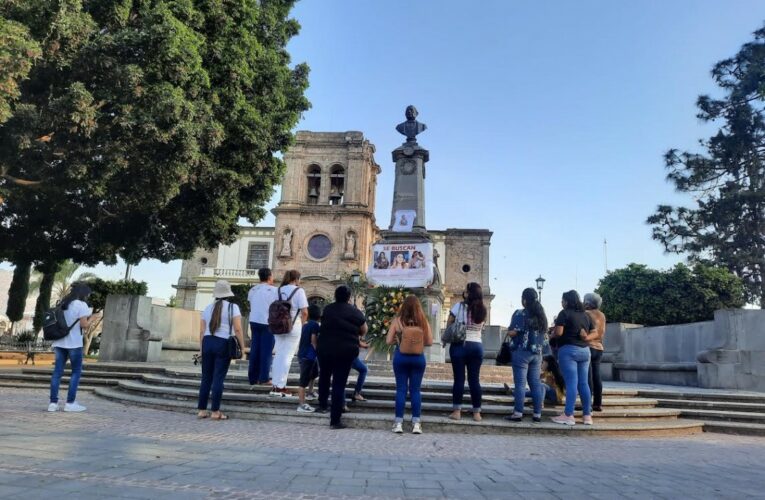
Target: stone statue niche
[350, 245]
[286, 243]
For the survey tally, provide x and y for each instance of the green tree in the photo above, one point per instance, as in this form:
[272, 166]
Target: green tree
[18, 291]
[727, 180]
[638, 294]
[17, 53]
[151, 127]
[43, 283]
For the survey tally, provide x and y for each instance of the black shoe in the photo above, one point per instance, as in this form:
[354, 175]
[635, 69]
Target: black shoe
[512, 418]
[536, 419]
[337, 426]
[322, 410]
[597, 408]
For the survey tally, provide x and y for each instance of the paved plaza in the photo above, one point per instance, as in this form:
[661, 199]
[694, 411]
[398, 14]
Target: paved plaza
[115, 451]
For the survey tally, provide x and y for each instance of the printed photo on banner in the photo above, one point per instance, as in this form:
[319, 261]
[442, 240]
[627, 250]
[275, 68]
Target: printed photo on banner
[403, 221]
[403, 264]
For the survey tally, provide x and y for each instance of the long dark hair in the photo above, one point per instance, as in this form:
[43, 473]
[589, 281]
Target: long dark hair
[536, 313]
[554, 368]
[80, 291]
[216, 316]
[473, 296]
[573, 302]
[290, 276]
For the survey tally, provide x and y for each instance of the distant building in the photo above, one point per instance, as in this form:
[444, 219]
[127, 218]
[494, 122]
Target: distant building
[325, 226]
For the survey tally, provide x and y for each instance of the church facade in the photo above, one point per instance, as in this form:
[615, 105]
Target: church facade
[325, 228]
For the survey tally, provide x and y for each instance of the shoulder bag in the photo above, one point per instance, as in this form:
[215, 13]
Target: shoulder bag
[456, 332]
[234, 347]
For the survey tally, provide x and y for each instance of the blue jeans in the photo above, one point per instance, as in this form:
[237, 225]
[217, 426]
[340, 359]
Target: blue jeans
[550, 396]
[261, 352]
[360, 367]
[575, 364]
[409, 370]
[466, 355]
[215, 363]
[526, 366]
[75, 360]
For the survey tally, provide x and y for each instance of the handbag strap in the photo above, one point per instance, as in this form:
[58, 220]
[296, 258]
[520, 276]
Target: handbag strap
[230, 319]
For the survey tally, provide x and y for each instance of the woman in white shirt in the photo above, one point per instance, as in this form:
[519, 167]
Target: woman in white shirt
[220, 320]
[468, 354]
[286, 344]
[77, 315]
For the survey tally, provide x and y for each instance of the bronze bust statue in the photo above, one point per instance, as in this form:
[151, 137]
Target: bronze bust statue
[411, 127]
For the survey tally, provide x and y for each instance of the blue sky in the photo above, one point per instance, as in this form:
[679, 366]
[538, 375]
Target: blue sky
[547, 121]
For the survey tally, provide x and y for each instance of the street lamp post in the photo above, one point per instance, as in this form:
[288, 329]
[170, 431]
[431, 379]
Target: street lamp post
[540, 285]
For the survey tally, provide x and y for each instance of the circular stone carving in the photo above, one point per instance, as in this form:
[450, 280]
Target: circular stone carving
[319, 246]
[408, 167]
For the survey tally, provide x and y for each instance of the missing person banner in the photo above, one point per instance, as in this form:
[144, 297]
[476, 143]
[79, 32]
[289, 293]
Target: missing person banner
[402, 264]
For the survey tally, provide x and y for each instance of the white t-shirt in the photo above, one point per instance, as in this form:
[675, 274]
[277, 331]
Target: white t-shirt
[261, 296]
[224, 330]
[298, 301]
[76, 310]
[472, 330]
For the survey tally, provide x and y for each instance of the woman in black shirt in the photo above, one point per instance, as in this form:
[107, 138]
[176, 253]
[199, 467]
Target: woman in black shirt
[571, 325]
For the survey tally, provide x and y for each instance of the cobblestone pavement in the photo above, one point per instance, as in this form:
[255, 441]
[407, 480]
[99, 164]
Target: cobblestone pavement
[115, 451]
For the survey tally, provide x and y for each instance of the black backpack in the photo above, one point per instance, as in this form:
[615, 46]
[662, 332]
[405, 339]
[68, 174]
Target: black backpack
[279, 320]
[54, 324]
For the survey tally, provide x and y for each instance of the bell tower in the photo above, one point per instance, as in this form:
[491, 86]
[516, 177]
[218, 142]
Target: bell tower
[325, 221]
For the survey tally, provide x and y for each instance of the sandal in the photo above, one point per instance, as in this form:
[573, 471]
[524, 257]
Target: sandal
[220, 416]
[358, 397]
[455, 415]
[203, 414]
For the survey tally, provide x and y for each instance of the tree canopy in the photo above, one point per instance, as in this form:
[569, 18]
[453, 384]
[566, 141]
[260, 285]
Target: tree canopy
[149, 127]
[644, 296]
[726, 180]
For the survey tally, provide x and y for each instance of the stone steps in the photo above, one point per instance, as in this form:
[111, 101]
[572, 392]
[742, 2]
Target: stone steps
[230, 398]
[738, 428]
[439, 424]
[697, 404]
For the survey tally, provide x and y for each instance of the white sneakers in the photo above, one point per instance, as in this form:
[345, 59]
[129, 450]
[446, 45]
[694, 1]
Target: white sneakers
[399, 429]
[74, 407]
[310, 396]
[305, 408]
[564, 419]
[69, 407]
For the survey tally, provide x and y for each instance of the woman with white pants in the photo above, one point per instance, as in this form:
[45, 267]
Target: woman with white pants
[286, 345]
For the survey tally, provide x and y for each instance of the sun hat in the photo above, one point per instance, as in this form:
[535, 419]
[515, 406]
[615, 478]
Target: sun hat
[222, 290]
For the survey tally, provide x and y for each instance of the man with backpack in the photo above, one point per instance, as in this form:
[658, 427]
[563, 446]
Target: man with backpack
[261, 296]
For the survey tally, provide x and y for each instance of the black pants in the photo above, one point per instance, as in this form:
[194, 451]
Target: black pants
[596, 383]
[334, 367]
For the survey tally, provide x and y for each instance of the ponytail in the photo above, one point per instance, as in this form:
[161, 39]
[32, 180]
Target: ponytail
[216, 316]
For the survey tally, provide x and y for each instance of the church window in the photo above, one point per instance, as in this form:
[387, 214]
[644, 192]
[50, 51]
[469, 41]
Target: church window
[257, 256]
[319, 246]
[336, 185]
[314, 184]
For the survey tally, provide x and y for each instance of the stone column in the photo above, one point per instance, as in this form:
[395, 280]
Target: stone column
[409, 187]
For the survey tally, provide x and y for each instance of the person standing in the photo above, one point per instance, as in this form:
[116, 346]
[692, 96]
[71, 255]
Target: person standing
[574, 356]
[286, 344]
[409, 368]
[260, 298]
[468, 354]
[309, 366]
[361, 368]
[527, 330]
[78, 316]
[342, 325]
[592, 303]
[220, 320]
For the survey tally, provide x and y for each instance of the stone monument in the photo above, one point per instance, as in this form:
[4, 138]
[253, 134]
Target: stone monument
[409, 187]
[404, 255]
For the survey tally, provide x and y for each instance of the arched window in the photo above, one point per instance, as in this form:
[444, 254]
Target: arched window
[336, 185]
[314, 184]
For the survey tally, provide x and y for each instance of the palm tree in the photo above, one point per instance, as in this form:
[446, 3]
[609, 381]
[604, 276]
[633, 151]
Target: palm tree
[62, 282]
